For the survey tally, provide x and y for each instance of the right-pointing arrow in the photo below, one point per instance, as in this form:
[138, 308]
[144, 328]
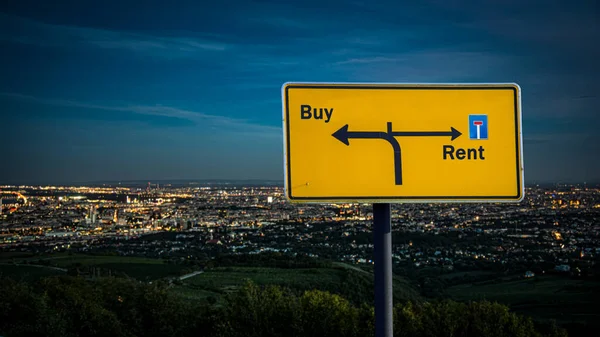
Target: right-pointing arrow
[453, 133]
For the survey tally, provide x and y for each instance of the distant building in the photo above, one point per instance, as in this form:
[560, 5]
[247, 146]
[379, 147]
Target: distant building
[9, 200]
[92, 217]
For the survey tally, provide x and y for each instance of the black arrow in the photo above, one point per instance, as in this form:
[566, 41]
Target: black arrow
[452, 133]
[343, 134]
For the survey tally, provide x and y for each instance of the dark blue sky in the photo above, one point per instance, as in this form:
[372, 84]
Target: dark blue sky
[116, 90]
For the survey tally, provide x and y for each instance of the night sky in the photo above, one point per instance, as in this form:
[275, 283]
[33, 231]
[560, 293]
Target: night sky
[117, 90]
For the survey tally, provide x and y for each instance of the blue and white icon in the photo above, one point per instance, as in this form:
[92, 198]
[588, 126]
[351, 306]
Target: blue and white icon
[478, 127]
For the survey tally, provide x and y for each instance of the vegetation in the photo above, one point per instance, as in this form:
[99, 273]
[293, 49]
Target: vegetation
[273, 260]
[356, 286]
[73, 306]
[144, 269]
[569, 301]
[25, 272]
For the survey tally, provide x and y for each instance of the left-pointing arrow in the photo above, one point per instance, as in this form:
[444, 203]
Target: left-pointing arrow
[343, 134]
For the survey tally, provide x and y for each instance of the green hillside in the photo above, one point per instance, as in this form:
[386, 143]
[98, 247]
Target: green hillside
[27, 273]
[545, 297]
[144, 269]
[355, 285]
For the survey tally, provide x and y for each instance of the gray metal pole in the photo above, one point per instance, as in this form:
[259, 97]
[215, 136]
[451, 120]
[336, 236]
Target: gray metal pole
[382, 234]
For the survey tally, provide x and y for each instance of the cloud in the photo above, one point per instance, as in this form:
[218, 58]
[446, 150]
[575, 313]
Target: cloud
[567, 137]
[562, 104]
[367, 60]
[441, 65]
[535, 140]
[553, 23]
[221, 123]
[26, 31]
[145, 43]
[270, 44]
[277, 21]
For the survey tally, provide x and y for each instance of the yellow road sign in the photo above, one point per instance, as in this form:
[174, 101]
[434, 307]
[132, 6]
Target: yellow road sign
[402, 142]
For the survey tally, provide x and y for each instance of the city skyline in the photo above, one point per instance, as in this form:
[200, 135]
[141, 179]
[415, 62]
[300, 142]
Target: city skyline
[112, 91]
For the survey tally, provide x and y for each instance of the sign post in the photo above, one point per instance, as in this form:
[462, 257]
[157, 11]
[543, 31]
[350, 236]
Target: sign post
[382, 244]
[399, 143]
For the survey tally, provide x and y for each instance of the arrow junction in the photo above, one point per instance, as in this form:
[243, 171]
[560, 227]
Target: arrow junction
[431, 160]
[343, 135]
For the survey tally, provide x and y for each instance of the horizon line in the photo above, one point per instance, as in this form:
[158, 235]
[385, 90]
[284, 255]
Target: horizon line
[225, 180]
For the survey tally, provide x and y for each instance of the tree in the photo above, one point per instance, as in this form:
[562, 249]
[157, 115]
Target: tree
[80, 306]
[449, 318]
[325, 314]
[253, 311]
[24, 313]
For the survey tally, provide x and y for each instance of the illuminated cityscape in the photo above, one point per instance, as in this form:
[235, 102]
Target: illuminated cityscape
[554, 228]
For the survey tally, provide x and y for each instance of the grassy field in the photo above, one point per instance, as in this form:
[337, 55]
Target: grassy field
[144, 271]
[220, 281]
[234, 276]
[543, 297]
[136, 267]
[66, 261]
[6, 256]
[346, 280]
[27, 273]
